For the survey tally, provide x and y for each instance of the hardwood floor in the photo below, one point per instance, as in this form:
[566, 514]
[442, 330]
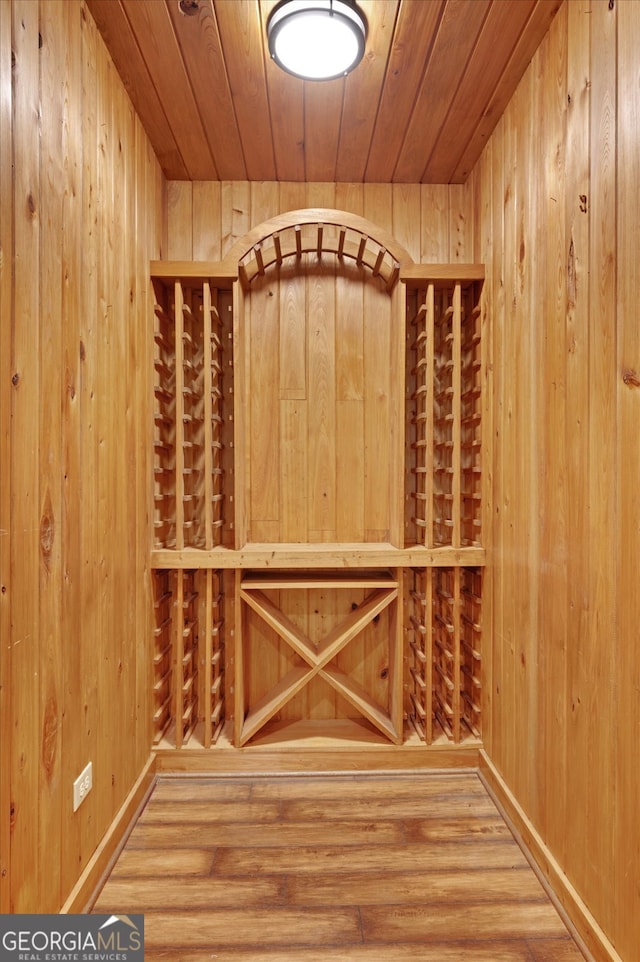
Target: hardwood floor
[323, 868]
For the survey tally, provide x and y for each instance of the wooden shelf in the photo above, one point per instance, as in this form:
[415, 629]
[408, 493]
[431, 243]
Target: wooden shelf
[291, 556]
[318, 579]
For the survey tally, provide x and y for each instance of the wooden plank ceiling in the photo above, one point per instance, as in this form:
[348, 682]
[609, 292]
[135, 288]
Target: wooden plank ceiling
[435, 79]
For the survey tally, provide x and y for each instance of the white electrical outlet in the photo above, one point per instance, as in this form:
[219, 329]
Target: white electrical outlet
[82, 786]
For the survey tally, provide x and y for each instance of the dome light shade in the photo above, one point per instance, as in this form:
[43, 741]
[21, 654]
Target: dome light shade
[316, 39]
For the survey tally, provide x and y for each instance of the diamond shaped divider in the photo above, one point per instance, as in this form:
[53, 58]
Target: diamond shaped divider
[317, 660]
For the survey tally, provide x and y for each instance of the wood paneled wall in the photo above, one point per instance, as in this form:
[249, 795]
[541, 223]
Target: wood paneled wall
[80, 216]
[433, 222]
[321, 403]
[552, 208]
[557, 211]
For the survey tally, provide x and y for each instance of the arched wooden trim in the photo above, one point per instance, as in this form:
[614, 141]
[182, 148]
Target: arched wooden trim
[318, 230]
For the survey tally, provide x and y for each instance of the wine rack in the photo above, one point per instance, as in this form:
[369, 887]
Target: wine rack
[164, 442]
[445, 658]
[251, 633]
[162, 654]
[444, 391]
[193, 392]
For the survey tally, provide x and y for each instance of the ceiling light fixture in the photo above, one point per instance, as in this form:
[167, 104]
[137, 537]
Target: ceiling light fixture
[317, 39]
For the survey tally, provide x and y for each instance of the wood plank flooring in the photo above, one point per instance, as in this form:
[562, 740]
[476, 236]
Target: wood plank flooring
[332, 868]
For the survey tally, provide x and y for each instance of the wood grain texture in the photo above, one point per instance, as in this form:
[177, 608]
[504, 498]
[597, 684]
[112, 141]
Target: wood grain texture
[328, 877]
[24, 529]
[557, 197]
[319, 462]
[84, 219]
[434, 81]
[6, 391]
[242, 208]
[627, 837]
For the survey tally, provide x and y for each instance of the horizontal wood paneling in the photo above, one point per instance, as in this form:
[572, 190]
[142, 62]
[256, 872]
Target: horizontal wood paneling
[556, 200]
[79, 220]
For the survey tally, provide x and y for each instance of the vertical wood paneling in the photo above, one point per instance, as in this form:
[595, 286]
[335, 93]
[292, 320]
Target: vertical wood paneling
[460, 223]
[180, 220]
[601, 660]
[293, 337]
[206, 221]
[322, 403]
[323, 411]
[510, 534]
[292, 196]
[378, 205]
[25, 488]
[6, 391]
[81, 219]
[320, 195]
[497, 733]
[562, 289]
[627, 838]
[406, 225]
[72, 70]
[484, 254]
[265, 201]
[103, 336]
[577, 167]
[531, 283]
[435, 222]
[50, 443]
[89, 668]
[378, 440]
[350, 197]
[552, 496]
[235, 213]
[264, 414]
[349, 374]
[434, 205]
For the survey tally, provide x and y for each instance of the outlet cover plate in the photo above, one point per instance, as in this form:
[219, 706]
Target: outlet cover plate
[82, 786]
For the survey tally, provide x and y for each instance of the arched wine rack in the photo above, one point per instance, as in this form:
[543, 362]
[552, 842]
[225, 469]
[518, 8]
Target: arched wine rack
[318, 549]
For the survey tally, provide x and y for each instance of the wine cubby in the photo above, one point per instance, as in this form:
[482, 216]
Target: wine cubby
[308, 577]
[193, 392]
[189, 656]
[444, 630]
[444, 477]
[163, 654]
[318, 649]
[164, 442]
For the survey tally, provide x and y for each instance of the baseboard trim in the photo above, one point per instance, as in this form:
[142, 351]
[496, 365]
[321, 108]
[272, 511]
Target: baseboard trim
[85, 891]
[584, 926]
[300, 760]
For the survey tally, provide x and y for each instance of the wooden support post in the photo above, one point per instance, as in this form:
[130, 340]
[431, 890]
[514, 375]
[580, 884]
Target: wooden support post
[456, 411]
[178, 655]
[455, 695]
[428, 651]
[238, 682]
[205, 646]
[429, 330]
[240, 407]
[179, 468]
[207, 346]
